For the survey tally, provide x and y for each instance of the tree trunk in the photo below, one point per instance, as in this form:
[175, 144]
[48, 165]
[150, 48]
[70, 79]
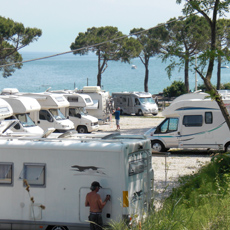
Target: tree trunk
[218, 73]
[146, 74]
[99, 69]
[146, 78]
[186, 78]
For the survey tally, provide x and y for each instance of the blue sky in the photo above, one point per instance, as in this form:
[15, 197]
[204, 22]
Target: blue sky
[62, 20]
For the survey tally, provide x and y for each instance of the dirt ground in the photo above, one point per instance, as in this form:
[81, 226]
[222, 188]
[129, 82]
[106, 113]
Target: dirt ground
[168, 167]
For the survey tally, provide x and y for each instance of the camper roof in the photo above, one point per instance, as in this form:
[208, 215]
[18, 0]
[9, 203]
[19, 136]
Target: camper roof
[22, 104]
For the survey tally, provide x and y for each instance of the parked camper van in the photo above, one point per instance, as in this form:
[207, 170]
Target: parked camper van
[58, 175]
[191, 121]
[50, 115]
[102, 107]
[22, 107]
[76, 112]
[135, 103]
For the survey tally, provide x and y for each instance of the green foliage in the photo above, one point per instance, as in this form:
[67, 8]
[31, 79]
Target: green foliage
[176, 89]
[107, 44]
[13, 37]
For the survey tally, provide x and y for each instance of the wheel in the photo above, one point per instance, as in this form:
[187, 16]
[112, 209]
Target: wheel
[227, 147]
[56, 227]
[140, 113]
[158, 146]
[82, 129]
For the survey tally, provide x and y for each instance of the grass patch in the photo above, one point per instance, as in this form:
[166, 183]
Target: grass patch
[202, 201]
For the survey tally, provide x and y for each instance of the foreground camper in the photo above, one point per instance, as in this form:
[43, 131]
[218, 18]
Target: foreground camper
[192, 121]
[43, 183]
[135, 103]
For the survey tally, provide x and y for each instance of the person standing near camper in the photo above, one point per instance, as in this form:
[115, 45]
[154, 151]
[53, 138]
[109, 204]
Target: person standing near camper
[93, 200]
[117, 117]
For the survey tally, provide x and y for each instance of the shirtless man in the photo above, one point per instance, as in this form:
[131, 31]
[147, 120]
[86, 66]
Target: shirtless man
[93, 200]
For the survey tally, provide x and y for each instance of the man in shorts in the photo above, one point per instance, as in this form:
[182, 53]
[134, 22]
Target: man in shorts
[93, 200]
[117, 117]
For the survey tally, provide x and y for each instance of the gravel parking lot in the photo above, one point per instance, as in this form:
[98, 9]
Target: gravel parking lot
[168, 167]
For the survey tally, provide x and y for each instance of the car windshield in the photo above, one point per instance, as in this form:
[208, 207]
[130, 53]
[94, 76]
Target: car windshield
[57, 114]
[25, 120]
[145, 100]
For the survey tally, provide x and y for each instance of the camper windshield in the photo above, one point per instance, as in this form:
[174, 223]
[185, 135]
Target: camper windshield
[80, 110]
[57, 114]
[145, 100]
[25, 120]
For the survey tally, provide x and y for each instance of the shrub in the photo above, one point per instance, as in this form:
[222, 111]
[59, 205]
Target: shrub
[176, 89]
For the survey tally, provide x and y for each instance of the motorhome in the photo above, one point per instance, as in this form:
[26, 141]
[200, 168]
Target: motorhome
[50, 115]
[76, 112]
[192, 121]
[102, 106]
[22, 107]
[135, 103]
[44, 182]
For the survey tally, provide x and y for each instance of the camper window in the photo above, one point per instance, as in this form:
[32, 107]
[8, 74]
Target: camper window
[208, 117]
[72, 99]
[34, 174]
[6, 173]
[192, 120]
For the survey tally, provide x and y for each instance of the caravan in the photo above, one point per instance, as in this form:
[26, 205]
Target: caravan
[192, 121]
[44, 182]
[135, 103]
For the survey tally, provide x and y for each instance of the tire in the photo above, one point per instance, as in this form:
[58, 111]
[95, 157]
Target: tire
[140, 113]
[82, 129]
[158, 146]
[227, 147]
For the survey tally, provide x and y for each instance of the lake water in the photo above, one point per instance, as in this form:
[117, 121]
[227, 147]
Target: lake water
[74, 71]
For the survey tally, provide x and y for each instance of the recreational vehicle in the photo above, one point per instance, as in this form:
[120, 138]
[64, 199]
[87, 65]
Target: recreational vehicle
[102, 107]
[44, 182]
[192, 121]
[50, 115]
[76, 112]
[135, 103]
[22, 107]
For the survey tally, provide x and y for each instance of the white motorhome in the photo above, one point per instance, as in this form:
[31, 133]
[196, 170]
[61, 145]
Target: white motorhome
[59, 174]
[50, 115]
[139, 103]
[22, 107]
[102, 107]
[192, 121]
[76, 112]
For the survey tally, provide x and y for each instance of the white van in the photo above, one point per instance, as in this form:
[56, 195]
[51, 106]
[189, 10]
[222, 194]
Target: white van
[139, 103]
[192, 121]
[22, 107]
[43, 184]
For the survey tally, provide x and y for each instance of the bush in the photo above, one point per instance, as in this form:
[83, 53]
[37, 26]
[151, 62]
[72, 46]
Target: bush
[176, 89]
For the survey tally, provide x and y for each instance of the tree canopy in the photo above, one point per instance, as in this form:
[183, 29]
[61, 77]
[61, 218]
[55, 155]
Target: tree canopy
[151, 42]
[187, 38]
[205, 8]
[13, 37]
[107, 44]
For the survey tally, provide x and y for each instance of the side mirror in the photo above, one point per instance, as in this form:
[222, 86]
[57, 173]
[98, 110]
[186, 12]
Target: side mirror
[17, 126]
[78, 115]
[50, 119]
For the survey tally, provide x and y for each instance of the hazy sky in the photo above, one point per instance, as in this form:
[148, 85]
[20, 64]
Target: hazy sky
[62, 20]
